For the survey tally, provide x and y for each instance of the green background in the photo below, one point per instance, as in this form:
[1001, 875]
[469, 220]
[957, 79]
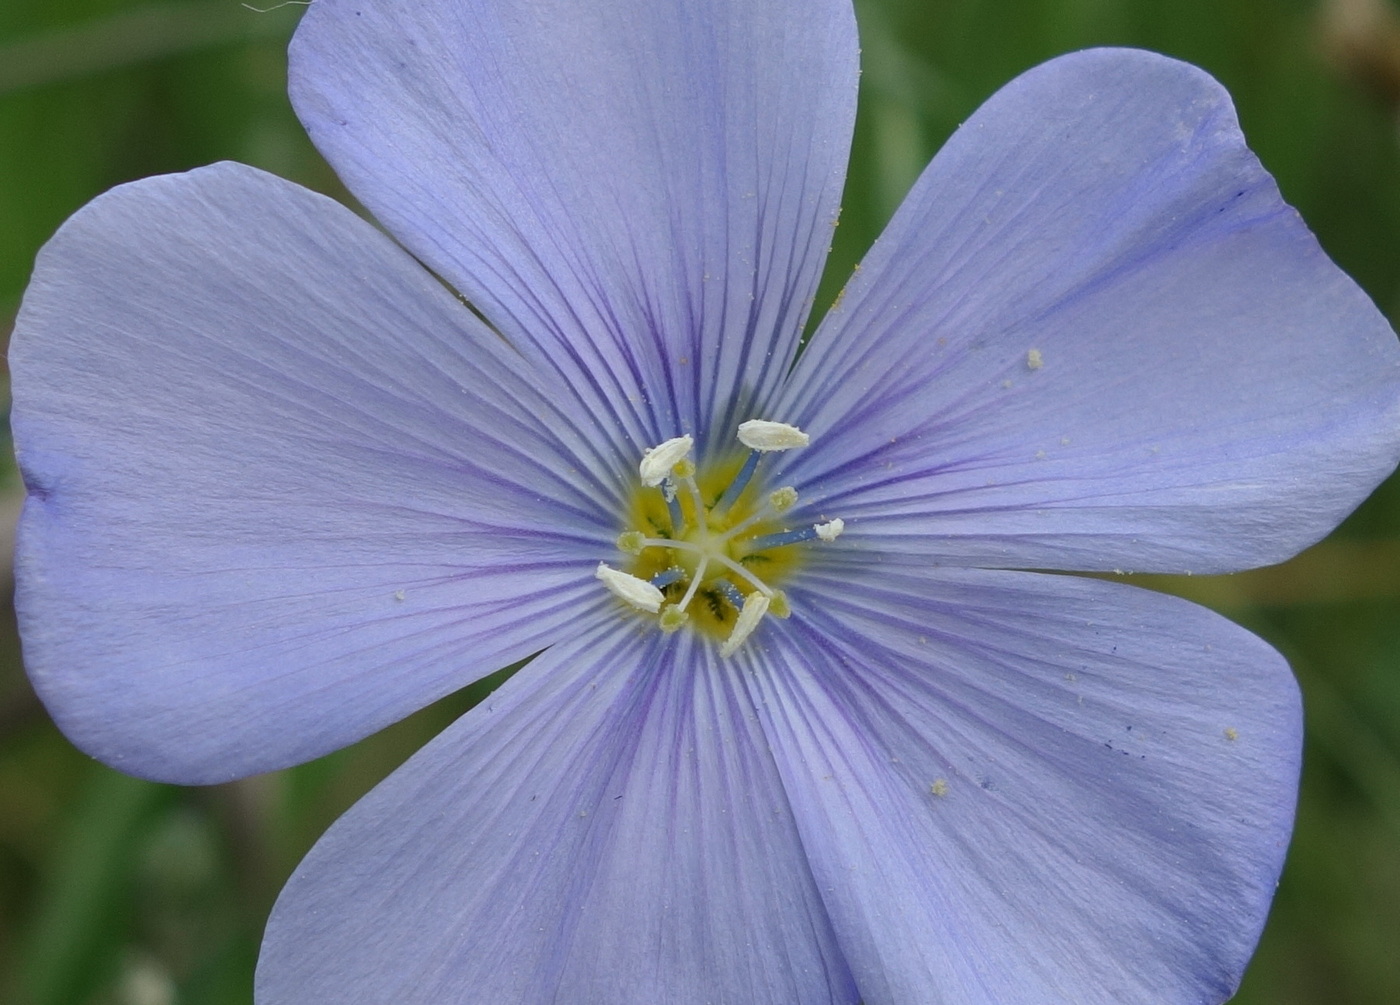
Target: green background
[118, 891]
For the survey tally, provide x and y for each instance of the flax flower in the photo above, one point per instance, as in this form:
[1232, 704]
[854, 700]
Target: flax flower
[799, 724]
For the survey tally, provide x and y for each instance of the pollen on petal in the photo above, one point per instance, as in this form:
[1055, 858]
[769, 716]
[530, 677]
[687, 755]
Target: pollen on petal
[659, 460]
[1034, 360]
[830, 530]
[637, 592]
[760, 434]
[755, 607]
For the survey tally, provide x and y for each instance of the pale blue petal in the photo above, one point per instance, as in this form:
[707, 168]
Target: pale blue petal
[1014, 787]
[283, 487]
[637, 192]
[608, 827]
[1094, 337]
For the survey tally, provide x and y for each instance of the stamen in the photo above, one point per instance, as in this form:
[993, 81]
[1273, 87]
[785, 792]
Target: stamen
[755, 606]
[731, 593]
[673, 508]
[740, 482]
[637, 592]
[665, 578]
[659, 460]
[830, 530]
[781, 539]
[760, 434]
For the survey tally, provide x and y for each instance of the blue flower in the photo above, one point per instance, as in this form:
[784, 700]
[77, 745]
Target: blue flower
[801, 727]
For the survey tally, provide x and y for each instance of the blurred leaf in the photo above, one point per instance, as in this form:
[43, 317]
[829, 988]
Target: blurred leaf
[133, 36]
[75, 934]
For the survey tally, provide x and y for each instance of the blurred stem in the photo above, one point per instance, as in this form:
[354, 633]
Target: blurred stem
[136, 36]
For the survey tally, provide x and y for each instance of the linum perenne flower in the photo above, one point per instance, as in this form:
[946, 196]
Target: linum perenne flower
[284, 488]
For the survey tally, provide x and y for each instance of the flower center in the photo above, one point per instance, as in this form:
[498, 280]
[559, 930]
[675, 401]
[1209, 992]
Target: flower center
[706, 548]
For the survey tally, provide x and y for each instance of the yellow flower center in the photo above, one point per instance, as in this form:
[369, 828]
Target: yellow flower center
[708, 548]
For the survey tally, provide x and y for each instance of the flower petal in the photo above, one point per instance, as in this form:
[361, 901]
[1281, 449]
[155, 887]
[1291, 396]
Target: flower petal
[607, 827]
[1023, 788]
[1094, 337]
[641, 191]
[283, 487]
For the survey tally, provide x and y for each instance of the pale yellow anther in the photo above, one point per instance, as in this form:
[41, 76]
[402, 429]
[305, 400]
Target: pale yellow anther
[631, 542]
[782, 499]
[659, 460]
[672, 617]
[637, 592]
[760, 434]
[830, 530]
[755, 606]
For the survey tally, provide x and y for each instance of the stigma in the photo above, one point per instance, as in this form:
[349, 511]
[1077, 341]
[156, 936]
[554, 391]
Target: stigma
[704, 549]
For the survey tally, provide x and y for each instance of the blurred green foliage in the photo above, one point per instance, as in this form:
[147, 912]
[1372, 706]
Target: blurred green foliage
[120, 892]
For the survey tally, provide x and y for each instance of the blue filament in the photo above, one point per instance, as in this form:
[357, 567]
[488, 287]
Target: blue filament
[740, 482]
[673, 504]
[779, 540]
[666, 577]
[731, 593]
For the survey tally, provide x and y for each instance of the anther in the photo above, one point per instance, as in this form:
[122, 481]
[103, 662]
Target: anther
[659, 460]
[755, 606]
[830, 530]
[637, 592]
[672, 617]
[782, 499]
[760, 434]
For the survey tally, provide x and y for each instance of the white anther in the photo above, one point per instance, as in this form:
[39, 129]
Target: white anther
[760, 434]
[659, 460]
[755, 607]
[830, 530]
[637, 592]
